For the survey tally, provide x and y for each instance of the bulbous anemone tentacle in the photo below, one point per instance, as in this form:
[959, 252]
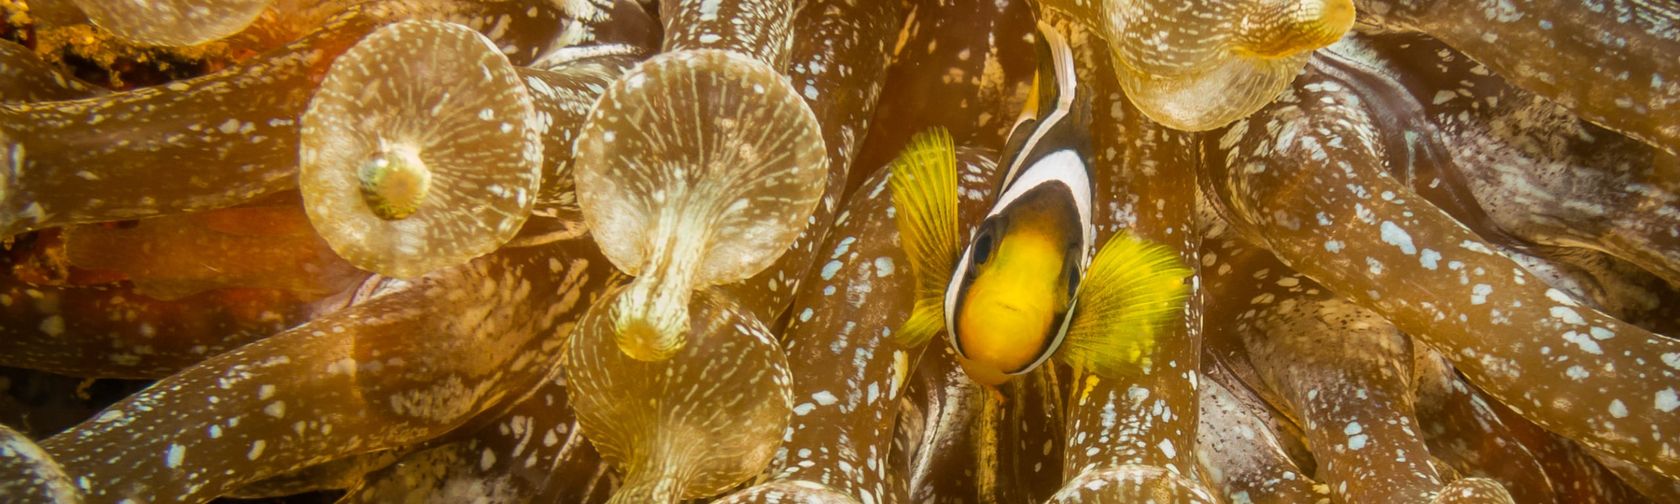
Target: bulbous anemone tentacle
[1314, 189]
[173, 22]
[354, 381]
[761, 29]
[29, 476]
[563, 91]
[25, 78]
[1239, 450]
[1340, 370]
[697, 168]
[1463, 432]
[420, 150]
[1612, 66]
[840, 65]
[223, 138]
[1201, 64]
[663, 422]
[1132, 483]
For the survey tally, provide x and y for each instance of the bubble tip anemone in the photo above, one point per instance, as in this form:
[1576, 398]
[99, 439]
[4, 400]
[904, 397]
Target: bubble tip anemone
[697, 168]
[172, 22]
[420, 150]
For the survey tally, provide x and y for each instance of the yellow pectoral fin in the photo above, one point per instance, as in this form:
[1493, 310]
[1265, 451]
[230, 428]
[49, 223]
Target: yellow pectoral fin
[924, 191]
[926, 320]
[1132, 291]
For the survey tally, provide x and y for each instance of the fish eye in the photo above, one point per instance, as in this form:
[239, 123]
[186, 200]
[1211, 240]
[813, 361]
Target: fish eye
[982, 246]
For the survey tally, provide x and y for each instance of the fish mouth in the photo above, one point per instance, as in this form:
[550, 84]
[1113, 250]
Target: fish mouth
[1009, 307]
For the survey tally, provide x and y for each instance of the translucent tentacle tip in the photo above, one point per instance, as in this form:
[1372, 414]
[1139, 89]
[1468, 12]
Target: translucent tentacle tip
[421, 150]
[691, 426]
[1292, 27]
[172, 22]
[697, 168]
[1210, 70]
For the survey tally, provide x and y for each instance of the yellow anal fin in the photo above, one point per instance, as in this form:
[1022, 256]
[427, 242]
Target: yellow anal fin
[924, 190]
[1132, 291]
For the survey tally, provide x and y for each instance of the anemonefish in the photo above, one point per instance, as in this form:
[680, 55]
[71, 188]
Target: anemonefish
[1025, 287]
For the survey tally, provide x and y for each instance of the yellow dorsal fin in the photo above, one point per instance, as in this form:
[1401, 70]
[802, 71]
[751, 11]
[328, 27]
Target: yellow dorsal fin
[1132, 291]
[924, 190]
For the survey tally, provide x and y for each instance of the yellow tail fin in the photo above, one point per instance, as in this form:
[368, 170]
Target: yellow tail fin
[924, 191]
[1132, 291]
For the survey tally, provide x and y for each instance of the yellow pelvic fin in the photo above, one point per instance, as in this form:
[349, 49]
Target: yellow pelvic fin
[924, 190]
[1132, 291]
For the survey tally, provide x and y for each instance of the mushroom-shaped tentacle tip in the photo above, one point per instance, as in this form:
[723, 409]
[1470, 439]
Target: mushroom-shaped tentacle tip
[697, 168]
[419, 150]
[694, 425]
[1132, 483]
[1279, 29]
[172, 22]
[1202, 64]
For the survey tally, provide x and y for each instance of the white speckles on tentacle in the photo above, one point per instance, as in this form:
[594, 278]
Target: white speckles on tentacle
[596, 23]
[689, 426]
[1654, 486]
[1029, 438]
[562, 94]
[1201, 64]
[839, 66]
[947, 72]
[1573, 473]
[703, 149]
[1145, 184]
[29, 476]
[25, 78]
[355, 381]
[1610, 62]
[762, 29]
[1463, 431]
[1340, 370]
[530, 452]
[1473, 491]
[1534, 170]
[942, 461]
[224, 138]
[1333, 167]
[1240, 453]
[1132, 483]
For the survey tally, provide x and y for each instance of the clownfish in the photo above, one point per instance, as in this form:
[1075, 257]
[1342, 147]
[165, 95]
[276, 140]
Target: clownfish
[1025, 287]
